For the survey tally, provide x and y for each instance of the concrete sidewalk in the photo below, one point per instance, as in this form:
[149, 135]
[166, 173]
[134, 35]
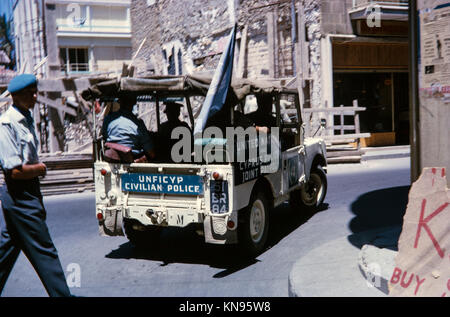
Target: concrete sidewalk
[375, 153]
[357, 265]
[340, 268]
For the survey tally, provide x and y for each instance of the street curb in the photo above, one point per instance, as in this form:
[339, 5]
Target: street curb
[365, 158]
[385, 153]
[376, 266]
[331, 270]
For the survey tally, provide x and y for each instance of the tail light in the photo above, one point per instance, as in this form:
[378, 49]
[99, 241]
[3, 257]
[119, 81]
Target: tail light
[231, 224]
[217, 175]
[99, 216]
[103, 171]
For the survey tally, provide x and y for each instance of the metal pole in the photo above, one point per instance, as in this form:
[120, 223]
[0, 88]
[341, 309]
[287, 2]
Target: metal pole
[414, 113]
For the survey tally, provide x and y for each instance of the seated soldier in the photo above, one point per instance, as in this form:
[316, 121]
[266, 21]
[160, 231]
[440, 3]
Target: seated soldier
[262, 117]
[124, 128]
[165, 140]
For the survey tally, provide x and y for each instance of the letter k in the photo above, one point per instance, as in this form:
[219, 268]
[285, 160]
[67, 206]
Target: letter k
[423, 223]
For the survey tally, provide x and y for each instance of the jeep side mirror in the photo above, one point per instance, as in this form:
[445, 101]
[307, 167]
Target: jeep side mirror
[323, 123]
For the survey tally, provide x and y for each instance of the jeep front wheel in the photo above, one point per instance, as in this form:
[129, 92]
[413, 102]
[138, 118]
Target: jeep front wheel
[312, 193]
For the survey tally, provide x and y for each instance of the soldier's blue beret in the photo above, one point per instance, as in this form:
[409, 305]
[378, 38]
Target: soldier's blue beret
[21, 82]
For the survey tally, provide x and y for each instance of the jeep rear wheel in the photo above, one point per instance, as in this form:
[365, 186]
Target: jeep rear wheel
[253, 230]
[312, 194]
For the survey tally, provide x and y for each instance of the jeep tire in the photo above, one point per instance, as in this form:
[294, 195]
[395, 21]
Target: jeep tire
[312, 194]
[254, 225]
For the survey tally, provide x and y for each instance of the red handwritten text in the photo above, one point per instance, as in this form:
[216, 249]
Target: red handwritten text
[423, 223]
[405, 283]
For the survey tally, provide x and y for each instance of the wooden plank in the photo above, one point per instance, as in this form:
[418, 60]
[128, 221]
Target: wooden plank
[345, 136]
[346, 159]
[59, 106]
[189, 107]
[356, 122]
[342, 127]
[346, 110]
[271, 34]
[68, 84]
[333, 154]
[242, 50]
[136, 54]
[350, 110]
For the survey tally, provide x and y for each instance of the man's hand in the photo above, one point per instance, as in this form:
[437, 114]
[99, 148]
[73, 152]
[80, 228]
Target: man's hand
[151, 154]
[262, 129]
[42, 169]
[29, 171]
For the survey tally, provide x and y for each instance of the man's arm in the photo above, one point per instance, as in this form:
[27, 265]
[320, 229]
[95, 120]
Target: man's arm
[147, 143]
[28, 171]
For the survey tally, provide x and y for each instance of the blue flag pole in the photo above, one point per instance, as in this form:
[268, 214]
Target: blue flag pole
[220, 85]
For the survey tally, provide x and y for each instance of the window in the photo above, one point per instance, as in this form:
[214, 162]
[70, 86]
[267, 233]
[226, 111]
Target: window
[174, 62]
[171, 70]
[74, 59]
[180, 63]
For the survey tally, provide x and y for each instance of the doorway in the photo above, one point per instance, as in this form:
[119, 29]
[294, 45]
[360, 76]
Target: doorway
[386, 99]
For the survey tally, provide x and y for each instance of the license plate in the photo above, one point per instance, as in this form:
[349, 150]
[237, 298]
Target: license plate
[219, 197]
[162, 184]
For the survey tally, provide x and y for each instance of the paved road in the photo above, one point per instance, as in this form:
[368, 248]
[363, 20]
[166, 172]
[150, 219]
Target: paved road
[360, 197]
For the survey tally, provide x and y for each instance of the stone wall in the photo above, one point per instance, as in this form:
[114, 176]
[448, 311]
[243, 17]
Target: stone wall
[182, 36]
[189, 36]
[313, 22]
[335, 17]
[268, 54]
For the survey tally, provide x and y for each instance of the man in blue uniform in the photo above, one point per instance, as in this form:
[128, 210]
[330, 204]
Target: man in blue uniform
[124, 128]
[23, 227]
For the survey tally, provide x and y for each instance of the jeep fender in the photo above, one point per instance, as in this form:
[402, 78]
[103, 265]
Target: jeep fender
[315, 155]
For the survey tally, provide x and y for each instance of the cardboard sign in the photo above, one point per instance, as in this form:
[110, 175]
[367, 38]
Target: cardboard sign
[423, 259]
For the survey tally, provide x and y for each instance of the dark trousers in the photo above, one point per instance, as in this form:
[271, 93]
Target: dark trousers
[24, 229]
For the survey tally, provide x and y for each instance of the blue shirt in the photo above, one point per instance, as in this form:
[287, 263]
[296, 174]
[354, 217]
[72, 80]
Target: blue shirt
[124, 128]
[18, 142]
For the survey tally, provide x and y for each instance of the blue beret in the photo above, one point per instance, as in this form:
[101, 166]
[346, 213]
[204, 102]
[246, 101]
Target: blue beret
[21, 82]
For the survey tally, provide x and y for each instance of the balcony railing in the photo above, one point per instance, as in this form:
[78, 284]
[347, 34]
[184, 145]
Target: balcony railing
[365, 3]
[88, 28]
[75, 68]
[83, 68]
[388, 10]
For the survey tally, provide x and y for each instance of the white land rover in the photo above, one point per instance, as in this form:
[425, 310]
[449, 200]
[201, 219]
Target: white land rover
[229, 196]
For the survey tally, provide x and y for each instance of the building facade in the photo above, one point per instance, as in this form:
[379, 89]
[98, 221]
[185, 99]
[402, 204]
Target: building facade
[29, 35]
[368, 45]
[334, 51]
[189, 36]
[92, 36]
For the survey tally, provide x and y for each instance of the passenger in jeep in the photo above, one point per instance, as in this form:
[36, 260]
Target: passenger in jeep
[125, 129]
[262, 117]
[165, 141]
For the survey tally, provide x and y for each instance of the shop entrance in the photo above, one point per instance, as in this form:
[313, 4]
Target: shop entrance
[386, 99]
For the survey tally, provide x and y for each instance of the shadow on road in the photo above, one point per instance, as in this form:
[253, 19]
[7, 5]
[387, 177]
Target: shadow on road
[379, 217]
[185, 246]
[285, 220]
[177, 245]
